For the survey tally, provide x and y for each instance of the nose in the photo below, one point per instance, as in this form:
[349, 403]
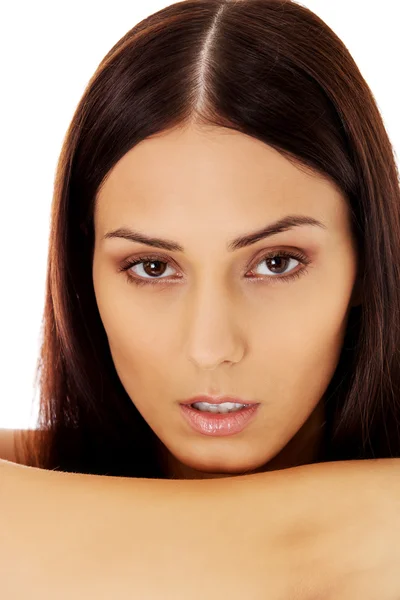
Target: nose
[214, 336]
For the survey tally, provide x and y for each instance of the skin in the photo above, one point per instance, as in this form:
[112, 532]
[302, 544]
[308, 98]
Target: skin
[205, 326]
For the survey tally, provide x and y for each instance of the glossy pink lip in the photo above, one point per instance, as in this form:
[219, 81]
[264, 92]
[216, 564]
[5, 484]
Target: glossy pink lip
[217, 400]
[217, 424]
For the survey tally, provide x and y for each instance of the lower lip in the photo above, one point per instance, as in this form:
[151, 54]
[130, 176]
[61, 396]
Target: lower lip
[216, 424]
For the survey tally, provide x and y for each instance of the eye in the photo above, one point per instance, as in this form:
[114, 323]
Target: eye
[152, 268]
[278, 262]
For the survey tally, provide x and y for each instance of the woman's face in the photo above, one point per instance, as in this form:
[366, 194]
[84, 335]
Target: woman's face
[209, 319]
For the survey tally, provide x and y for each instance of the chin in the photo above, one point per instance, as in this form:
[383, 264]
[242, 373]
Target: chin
[207, 469]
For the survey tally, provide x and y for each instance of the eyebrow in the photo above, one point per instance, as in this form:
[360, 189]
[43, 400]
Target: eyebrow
[284, 224]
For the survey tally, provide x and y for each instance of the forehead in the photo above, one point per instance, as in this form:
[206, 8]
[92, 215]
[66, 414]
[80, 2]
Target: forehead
[193, 170]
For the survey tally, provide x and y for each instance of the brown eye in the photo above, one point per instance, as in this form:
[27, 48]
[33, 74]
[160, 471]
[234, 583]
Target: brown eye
[154, 268]
[277, 263]
[147, 268]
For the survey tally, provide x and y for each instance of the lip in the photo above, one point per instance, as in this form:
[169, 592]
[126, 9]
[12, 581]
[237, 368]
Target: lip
[213, 424]
[217, 400]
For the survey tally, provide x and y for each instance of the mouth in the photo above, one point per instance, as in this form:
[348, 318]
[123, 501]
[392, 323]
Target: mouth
[217, 400]
[218, 420]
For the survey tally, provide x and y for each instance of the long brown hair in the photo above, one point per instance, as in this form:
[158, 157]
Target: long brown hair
[275, 71]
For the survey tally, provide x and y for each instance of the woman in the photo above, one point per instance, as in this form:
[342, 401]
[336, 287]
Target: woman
[245, 130]
[220, 150]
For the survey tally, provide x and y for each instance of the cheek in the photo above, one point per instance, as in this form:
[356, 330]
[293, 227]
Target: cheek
[140, 343]
[299, 348]
[139, 335]
[138, 340]
[132, 325]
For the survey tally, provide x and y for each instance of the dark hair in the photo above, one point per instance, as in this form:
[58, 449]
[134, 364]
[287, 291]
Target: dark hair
[275, 71]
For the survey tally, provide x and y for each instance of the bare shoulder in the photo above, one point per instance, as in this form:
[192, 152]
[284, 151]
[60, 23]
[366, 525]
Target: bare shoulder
[13, 442]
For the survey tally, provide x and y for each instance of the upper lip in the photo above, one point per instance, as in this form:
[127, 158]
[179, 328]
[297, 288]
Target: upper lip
[217, 400]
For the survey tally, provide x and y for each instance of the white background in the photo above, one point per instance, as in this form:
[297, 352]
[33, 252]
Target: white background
[48, 52]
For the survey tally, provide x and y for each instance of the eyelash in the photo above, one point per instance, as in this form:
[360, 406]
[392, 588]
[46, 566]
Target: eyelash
[129, 263]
